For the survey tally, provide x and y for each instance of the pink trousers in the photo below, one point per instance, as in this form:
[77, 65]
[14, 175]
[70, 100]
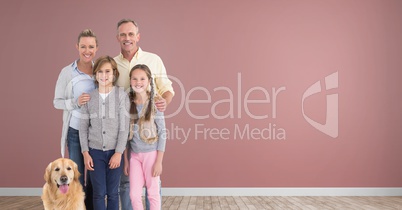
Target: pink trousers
[141, 175]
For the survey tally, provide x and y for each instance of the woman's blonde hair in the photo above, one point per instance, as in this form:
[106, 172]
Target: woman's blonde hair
[87, 33]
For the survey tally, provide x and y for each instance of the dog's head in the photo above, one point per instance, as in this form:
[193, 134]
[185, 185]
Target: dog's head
[61, 173]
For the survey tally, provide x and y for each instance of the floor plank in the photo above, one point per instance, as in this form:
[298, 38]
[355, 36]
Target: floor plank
[243, 202]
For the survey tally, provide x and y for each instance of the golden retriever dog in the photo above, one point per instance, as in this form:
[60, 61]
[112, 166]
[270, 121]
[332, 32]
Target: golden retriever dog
[62, 190]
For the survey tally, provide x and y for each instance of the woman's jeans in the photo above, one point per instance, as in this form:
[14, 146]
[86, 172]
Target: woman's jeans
[74, 152]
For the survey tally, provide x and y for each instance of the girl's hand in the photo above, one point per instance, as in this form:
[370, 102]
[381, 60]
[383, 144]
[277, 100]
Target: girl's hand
[89, 164]
[115, 161]
[126, 168]
[157, 169]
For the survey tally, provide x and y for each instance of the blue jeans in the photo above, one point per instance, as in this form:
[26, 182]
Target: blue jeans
[74, 152]
[125, 193]
[105, 181]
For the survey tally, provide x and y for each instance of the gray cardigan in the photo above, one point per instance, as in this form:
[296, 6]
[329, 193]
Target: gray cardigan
[104, 123]
[64, 99]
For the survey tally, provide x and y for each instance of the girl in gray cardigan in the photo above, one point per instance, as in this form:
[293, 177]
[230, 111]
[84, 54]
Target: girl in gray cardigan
[103, 133]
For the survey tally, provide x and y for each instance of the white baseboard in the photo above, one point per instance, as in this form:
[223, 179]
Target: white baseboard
[20, 191]
[306, 191]
[282, 191]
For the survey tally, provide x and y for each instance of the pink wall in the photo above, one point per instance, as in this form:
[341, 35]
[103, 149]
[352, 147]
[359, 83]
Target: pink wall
[220, 51]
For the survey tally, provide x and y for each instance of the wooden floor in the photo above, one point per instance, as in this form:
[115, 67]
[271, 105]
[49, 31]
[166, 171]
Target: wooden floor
[206, 202]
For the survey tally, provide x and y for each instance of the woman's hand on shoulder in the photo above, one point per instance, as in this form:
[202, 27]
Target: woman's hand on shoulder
[83, 99]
